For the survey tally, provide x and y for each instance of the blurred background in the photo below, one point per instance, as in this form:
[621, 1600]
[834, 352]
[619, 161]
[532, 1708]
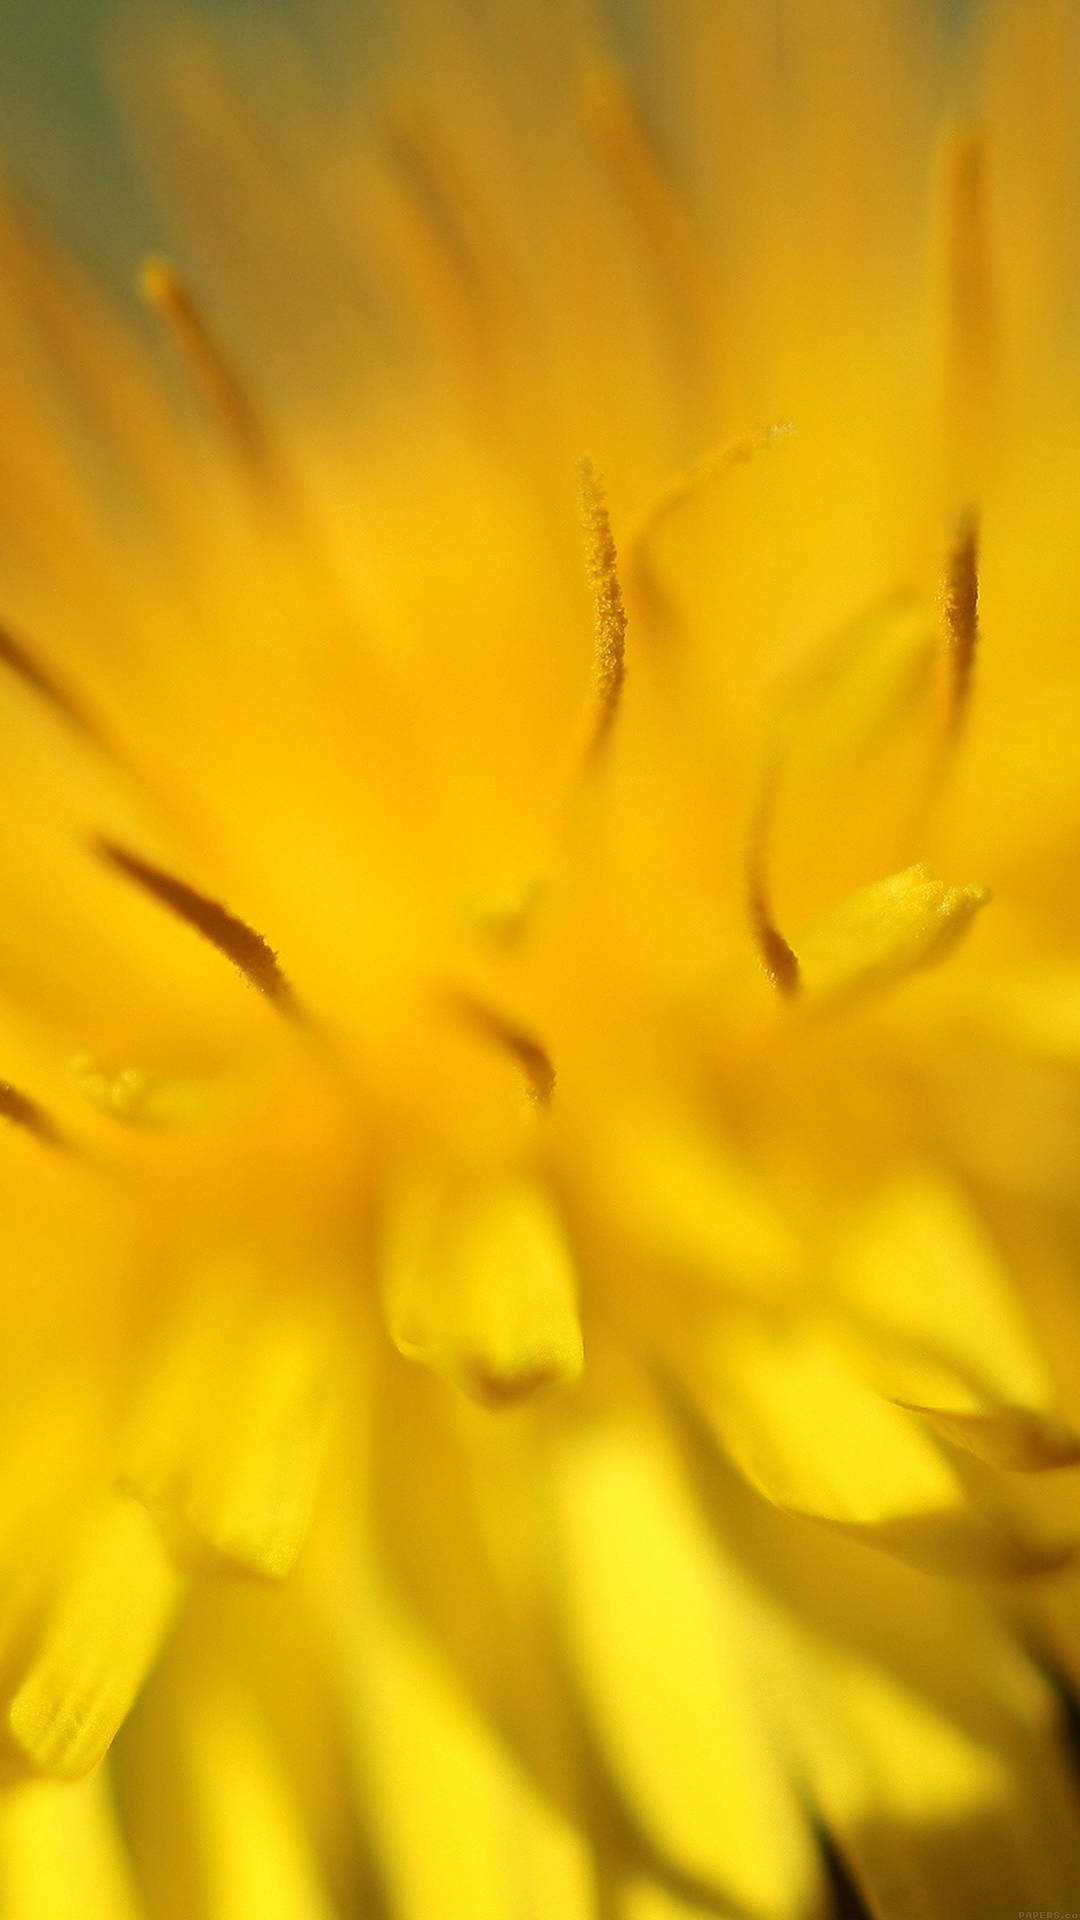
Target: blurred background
[67, 145]
[60, 132]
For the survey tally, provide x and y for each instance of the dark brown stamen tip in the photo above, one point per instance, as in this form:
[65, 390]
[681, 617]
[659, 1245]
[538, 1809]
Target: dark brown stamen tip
[25, 1113]
[779, 961]
[240, 943]
[528, 1052]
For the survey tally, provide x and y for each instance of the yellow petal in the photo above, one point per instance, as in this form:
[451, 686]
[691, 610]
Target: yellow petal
[458, 1824]
[231, 1436]
[643, 1899]
[1037, 1007]
[865, 678]
[940, 1327]
[61, 1854]
[661, 1664]
[682, 1197]
[110, 1621]
[483, 1288]
[256, 1862]
[933, 1812]
[816, 1440]
[924, 1737]
[138, 1098]
[883, 934]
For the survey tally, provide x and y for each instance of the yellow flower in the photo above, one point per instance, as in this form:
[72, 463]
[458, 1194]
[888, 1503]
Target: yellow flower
[540, 1000]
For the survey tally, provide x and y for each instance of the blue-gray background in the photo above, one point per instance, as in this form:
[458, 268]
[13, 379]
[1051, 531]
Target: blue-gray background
[60, 133]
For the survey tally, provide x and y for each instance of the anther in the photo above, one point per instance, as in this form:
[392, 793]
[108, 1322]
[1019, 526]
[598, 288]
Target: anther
[645, 588]
[222, 387]
[779, 961]
[525, 1049]
[960, 618]
[609, 668]
[247, 950]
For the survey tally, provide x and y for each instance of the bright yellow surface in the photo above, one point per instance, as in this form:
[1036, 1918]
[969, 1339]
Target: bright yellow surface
[540, 976]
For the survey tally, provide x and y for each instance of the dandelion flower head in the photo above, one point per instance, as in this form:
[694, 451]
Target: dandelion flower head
[539, 977]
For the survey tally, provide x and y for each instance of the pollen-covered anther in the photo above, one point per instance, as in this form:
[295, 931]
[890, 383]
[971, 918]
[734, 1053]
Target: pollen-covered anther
[960, 618]
[886, 932]
[609, 662]
[481, 1286]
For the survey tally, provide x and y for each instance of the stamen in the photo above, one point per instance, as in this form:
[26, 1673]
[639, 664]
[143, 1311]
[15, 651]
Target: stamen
[610, 658]
[20, 660]
[780, 963]
[482, 1286]
[970, 317]
[25, 1113]
[424, 169]
[960, 619]
[683, 486]
[113, 1611]
[676, 492]
[224, 390]
[247, 949]
[526, 1050]
[669, 248]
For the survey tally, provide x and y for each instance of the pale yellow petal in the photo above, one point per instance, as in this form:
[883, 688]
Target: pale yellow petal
[938, 1325]
[930, 1813]
[681, 1196]
[812, 1437]
[231, 1435]
[110, 1619]
[661, 1662]
[61, 1854]
[483, 1288]
[882, 935]
[926, 1737]
[256, 1861]
[458, 1825]
[643, 1899]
